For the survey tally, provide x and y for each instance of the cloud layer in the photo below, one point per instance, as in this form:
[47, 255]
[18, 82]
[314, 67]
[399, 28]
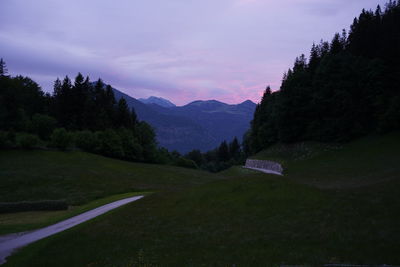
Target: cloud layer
[182, 50]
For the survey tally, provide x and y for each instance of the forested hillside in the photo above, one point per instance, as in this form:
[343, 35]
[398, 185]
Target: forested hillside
[347, 88]
[77, 112]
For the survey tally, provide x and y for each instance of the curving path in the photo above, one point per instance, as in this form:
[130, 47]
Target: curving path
[264, 170]
[9, 243]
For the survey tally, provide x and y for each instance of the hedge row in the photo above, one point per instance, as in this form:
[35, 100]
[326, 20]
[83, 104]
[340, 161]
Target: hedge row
[8, 207]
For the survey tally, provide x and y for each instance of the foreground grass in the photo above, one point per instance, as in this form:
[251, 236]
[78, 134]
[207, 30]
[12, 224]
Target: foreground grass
[252, 219]
[255, 220]
[79, 177]
[25, 221]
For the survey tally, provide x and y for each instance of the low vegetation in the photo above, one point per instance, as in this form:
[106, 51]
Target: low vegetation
[9, 207]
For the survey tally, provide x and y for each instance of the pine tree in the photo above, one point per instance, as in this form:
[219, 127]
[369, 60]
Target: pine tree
[336, 45]
[134, 118]
[315, 58]
[65, 116]
[234, 149]
[57, 88]
[123, 116]
[3, 68]
[223, 152]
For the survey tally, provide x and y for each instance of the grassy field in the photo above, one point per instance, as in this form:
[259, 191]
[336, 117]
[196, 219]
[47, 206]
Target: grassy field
[334, 205]
[80, 177]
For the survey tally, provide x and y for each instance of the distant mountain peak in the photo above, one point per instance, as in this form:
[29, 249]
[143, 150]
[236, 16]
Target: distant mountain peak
[158, 101]
[248, 102]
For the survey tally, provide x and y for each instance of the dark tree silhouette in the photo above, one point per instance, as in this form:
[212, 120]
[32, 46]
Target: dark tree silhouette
[3, 68]
[348, 87]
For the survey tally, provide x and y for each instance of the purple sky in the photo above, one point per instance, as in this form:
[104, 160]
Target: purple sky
[182, 50]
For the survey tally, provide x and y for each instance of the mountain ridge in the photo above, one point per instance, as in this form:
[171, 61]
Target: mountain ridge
[157, 100]
[201, 124]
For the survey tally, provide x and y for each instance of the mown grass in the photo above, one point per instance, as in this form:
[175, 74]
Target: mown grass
[251, 218]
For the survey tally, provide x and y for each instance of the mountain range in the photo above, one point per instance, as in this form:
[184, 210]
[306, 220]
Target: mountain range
[199, 125]
[157, 100]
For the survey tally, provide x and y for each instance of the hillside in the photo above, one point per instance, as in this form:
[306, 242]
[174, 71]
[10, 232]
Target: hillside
[80, 177]
[253, 218]
[199, 125]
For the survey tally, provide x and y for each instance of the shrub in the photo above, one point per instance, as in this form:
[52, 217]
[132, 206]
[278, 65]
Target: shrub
[61, 139]
[7, 139]
[110, 144]
[132, 149]
[6, 207]
[86, 140]
[27, 141]
[186, 163]
[3, 139]
[43, 125]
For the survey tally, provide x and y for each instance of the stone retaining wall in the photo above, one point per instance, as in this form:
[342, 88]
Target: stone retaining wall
[265, 165]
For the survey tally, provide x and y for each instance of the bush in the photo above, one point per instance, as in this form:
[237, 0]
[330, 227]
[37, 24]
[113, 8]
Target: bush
[215, 166]
[7, 139]
[61, 139]
[110, 144]
[27, 141]
[87, 141]
[131, 148]
[3, 139]
[186, 163]
[6, 207]
[43, 125]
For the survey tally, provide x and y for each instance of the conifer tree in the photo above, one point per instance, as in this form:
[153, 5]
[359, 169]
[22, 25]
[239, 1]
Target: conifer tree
[234, 149]
[123, 116]
[223, 152]
[3, 68]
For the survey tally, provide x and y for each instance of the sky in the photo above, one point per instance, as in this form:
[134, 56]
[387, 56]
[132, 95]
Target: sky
[182, 50]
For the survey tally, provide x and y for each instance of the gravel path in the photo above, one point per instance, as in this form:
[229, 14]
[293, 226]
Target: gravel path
[9, 243]
[264, 170]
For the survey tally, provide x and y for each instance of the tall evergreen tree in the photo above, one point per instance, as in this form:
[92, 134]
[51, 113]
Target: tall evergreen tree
[234, 149]
[3, 68]
[223, 152]
[123, 117]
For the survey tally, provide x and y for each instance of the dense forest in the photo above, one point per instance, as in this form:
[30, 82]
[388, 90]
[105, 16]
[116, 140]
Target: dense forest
[348, 87]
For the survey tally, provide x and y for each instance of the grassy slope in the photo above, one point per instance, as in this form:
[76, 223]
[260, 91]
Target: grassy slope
[80, 177]
[84, 180]
[365, 161]
[252, 219]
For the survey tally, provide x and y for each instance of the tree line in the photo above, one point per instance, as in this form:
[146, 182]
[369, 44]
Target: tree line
[348, 87]
[220, 158]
